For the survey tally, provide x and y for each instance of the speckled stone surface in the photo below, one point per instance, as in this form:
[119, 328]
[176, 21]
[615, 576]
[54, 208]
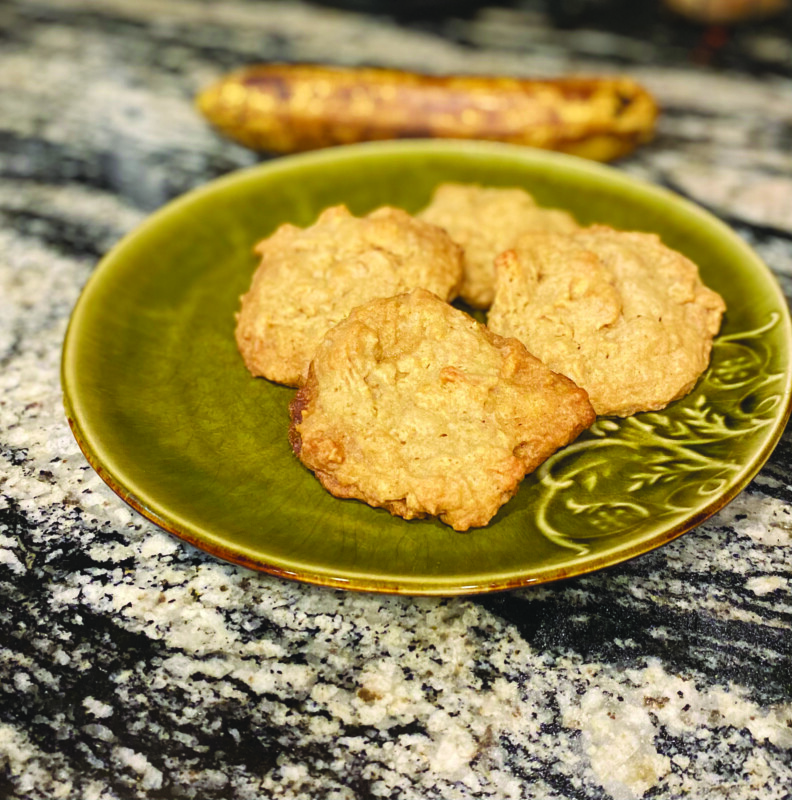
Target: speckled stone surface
[132, 666]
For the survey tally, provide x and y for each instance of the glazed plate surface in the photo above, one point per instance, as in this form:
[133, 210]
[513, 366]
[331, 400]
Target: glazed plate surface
[163, 408]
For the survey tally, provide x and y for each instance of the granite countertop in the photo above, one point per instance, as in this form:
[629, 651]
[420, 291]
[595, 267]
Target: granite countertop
[134, 666]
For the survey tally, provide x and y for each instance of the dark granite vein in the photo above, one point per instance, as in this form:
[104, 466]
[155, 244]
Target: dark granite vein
[155, 179]
[170, 47]
[66, 236]
[36, 159]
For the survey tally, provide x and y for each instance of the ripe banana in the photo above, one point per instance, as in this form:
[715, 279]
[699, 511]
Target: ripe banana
[287, 108]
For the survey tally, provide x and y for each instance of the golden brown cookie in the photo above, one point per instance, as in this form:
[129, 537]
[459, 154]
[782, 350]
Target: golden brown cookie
[619, 313]
[309, 279]
[413, 406]
[486, 221]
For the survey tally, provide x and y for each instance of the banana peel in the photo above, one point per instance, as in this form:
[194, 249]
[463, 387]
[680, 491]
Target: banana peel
[288, 108]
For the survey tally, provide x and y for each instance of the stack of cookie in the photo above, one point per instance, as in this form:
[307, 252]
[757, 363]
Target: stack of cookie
[408, 403]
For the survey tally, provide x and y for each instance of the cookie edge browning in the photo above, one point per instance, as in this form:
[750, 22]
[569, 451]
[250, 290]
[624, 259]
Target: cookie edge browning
[580, 420]
[298, 404]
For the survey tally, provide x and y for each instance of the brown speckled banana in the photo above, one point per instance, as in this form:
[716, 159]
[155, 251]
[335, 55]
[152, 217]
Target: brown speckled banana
[285, 108]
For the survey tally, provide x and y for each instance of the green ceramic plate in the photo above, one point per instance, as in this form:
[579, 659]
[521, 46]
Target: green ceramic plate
[164, 410]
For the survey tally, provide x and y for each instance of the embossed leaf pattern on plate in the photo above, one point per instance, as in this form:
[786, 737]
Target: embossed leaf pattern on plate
[622, 473]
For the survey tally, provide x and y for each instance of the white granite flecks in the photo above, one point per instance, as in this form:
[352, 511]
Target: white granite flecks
[134, 666]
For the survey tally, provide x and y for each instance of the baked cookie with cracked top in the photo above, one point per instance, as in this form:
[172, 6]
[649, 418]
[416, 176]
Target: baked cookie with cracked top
[413, 406]
[311, 278]
[622, 315]
[485, 221]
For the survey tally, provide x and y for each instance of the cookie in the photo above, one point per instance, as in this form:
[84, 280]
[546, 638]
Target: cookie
[485, 221]
[309, 279]
[619, 313]
[413, 406]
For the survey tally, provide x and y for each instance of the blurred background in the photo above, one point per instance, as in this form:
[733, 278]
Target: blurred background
[753, 35]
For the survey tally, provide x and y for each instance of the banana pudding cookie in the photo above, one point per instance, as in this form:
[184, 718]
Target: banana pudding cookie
[486, 221]
[413, 406]
[619, 313]
[309, 279]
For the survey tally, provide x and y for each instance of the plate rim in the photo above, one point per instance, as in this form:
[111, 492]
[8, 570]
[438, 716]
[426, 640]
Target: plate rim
[202, 540]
